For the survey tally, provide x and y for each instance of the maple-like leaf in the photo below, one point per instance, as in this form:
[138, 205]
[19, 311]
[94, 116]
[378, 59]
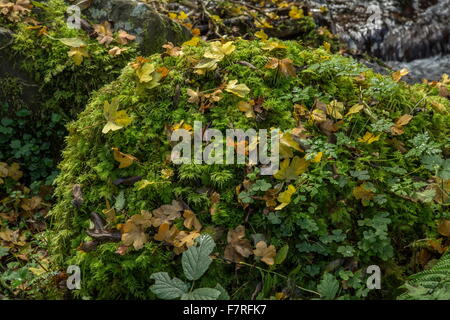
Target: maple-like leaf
[397, 75]
[191, 221]
[124, 37]
[78, 54]
[104, 33]
[247, 108]
[290, 170]
[167, 213]
[116, 51]
[266, 253]
[369, 138]
[285, 197]
[116, 119]
[238, 247]
[124, 159]
[285, 66]
[172, 50]
[217, 51]
[133, 232]
[239, 90]
[166, 233]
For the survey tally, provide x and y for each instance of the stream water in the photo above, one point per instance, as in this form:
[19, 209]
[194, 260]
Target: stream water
[404, 33]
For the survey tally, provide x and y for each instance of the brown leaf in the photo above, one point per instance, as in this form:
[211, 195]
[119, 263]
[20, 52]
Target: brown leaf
[238, 246]
[266, 253]
[172, 51]
[167, 213]
[190, 220]
[397, 128]
[444, 228]
[166, 233]
[104, 33]
[123, 37]
[30, 204]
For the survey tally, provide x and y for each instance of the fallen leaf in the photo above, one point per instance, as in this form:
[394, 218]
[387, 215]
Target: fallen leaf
[369, 138]
[240, 90]
[124, 37]
[167, 213]
[78, 54]
[290, 170]
[238, 247]
[444, 228]
[116, 119]
[190, 220]
[397, 75]
[124, 159]
[285, 197]
[397, 128]
[266, 253]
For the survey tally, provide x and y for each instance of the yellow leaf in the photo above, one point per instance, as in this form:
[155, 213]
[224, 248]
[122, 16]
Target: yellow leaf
[193, 42]
[77, 54]
[285, 197]
[369, 138]
[355, 109]
[237, 89]
[261, 35]
[361, 193]
[296, 13]
[218, 51]
[247, 108]
[318, 157]
[335, 109]
[397, 128]
[272, 45]
[318, 115]
[397, 75]
[145, 72]
[290, 170]
[115, 119]
[124, 159]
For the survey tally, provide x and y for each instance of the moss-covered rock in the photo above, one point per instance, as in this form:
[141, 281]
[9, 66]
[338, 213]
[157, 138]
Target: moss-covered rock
[372, 184]
[152, 29]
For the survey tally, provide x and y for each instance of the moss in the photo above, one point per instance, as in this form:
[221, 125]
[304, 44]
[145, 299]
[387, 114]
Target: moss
[326, 188]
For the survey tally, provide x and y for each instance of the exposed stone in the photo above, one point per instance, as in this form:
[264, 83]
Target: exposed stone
[151, 29]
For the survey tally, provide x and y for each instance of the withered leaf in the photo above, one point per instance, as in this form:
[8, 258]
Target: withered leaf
[266, 253]
[77, 195]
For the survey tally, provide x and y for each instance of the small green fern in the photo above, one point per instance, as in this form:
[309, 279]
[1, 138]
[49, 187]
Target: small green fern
[432, 284]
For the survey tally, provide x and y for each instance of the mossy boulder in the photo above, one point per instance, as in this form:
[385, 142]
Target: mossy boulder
[151, 28]
[373, 181]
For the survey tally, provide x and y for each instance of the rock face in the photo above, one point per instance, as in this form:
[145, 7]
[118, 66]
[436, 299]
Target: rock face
[152, 30]
[393, 30]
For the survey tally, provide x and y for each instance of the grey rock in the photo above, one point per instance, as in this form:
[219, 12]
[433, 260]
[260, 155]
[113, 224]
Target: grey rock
[151, 29]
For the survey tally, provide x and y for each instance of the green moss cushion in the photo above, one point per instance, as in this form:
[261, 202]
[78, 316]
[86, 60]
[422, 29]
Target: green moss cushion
[373, 183]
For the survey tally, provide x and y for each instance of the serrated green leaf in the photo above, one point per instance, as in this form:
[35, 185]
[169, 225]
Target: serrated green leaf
[328, 287]
[223, 293]
[196, 259]
[202, 294]
[167, 288]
